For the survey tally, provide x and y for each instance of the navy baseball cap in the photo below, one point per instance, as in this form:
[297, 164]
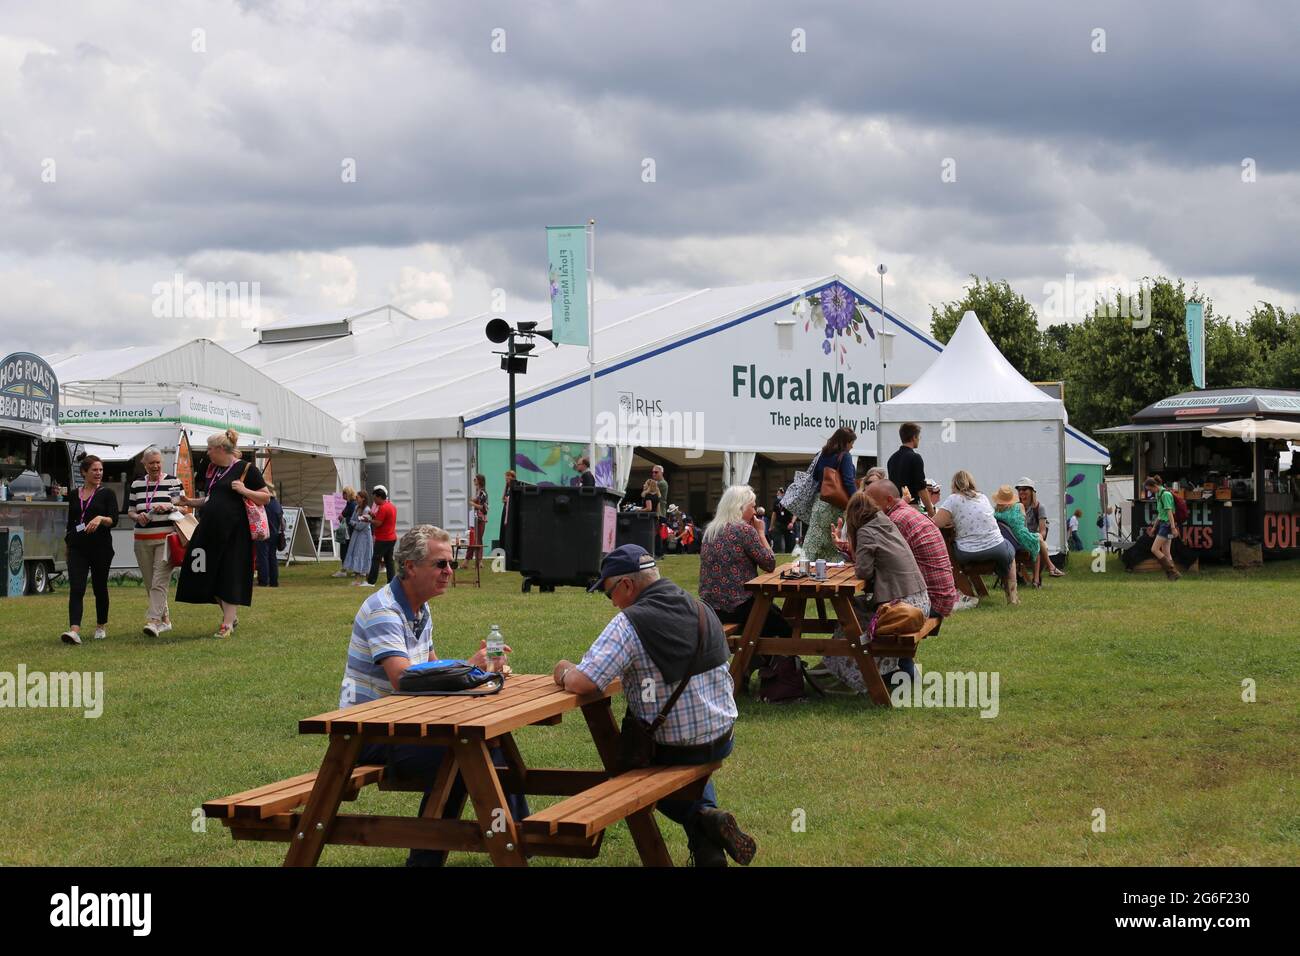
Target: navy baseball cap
[628, 559]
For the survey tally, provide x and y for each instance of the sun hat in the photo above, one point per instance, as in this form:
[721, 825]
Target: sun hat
[1026, 483]
[1006, 495]
[628, 559]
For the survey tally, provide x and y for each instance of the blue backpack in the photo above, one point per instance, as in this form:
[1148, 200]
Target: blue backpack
[447, 678]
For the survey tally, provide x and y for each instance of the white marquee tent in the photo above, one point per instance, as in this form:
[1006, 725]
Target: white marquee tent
[978, 413]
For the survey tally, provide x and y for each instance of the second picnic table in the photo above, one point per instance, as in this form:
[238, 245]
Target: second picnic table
[841, 584]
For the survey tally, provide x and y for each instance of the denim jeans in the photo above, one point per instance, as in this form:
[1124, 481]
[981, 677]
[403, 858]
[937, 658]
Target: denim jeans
[684, 812]
[416, 762]
[1003, 556]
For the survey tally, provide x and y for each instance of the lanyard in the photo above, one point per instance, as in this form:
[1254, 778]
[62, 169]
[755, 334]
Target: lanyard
[226, 471]
[148, 495]
[85, 504]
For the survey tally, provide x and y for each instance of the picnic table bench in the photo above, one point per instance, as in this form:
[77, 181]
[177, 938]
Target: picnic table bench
[969, 576]
[303, 810]
[838, 590]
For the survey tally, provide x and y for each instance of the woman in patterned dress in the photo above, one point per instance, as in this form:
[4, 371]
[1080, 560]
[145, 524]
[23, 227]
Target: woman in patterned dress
[819, 542]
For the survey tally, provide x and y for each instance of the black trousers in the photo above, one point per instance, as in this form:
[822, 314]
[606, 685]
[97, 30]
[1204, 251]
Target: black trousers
[383, 550]
[80, 565]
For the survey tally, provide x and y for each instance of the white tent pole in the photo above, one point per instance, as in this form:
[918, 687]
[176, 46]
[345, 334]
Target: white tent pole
[591, 334]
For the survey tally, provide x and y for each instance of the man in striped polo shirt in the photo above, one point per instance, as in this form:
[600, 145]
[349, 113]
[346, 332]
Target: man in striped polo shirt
[392, 631]
[153, 507]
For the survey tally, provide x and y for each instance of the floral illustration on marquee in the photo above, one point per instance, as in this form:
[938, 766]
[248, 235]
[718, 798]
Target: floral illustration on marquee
[834, 312]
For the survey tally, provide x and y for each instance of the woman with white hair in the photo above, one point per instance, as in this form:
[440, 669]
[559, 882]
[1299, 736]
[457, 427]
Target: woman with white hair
[152, 506]
[218, 563]
[733, 549]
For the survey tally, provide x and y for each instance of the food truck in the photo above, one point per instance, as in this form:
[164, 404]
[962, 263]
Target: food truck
[1227, 453]
[35, 473]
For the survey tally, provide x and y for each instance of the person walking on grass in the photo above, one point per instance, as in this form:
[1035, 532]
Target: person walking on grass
[91, 513]
[343, 533]
[268, 564]
[361, 544]
[152, 507]
[1164, 528]
[218, 564]
[383, 521]
[1072, 526]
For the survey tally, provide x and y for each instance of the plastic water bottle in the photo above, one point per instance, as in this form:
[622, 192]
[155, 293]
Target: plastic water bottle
[496, 649]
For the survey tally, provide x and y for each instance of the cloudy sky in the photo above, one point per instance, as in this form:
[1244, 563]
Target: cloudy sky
[344, 155]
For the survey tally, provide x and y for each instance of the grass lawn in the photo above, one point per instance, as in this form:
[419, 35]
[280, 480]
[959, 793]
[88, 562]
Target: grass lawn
[1118, 692]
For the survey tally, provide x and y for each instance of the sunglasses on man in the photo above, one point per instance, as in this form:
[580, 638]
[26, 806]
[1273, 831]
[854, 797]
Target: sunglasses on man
[443, 563]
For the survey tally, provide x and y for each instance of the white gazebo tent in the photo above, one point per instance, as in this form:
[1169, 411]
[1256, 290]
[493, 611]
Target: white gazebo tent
[979, 414]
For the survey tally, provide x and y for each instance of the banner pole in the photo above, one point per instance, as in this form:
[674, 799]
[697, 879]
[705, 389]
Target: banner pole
[591, 336]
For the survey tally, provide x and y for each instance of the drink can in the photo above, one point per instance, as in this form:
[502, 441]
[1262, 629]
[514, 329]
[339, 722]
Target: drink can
[821, 569]
[803, 565]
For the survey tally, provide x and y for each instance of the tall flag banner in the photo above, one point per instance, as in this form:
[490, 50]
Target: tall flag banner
[1196, 341]
[566, 256]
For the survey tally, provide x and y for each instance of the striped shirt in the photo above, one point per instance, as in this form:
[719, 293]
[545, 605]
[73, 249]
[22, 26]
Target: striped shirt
[705, 711]
[144, 494]
[926, 541]
[385, 626]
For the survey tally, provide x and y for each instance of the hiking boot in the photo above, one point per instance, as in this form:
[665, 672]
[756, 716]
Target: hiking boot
[705, 853]
[721, 828]
[1172, 575]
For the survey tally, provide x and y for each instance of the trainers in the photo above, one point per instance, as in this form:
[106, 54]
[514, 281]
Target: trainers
[100, 634]
[151, 629]
[721, 828]
[339, 574]
[164, 627]
[70, 637]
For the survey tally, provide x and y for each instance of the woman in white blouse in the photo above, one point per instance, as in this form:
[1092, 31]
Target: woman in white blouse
[970, 514]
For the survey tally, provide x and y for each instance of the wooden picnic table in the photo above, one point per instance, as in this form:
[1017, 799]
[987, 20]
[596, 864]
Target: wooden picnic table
[838, 589]
[470, 727]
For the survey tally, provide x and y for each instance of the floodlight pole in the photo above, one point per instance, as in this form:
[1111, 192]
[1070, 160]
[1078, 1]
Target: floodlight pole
[591, 338]
[510, 371]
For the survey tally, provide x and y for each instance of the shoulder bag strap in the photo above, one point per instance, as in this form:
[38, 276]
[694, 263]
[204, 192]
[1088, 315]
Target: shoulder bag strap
[699, 648]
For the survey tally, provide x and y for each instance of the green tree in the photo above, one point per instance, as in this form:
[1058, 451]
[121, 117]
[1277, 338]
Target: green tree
[1113, 369]
[1232, 354]
[1007, 317]
[1276, 333]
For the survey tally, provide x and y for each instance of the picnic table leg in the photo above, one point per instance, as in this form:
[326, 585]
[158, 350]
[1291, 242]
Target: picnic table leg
[645, 829]
[794, 613]
[748, 640]
[323, 804]
[866, 663]
[500, 833]
[440, 803]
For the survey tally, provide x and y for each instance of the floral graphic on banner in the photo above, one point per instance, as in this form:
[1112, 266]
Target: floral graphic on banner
[834, 311]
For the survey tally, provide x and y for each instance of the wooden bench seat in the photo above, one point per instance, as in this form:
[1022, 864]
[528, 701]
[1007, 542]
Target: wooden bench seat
[733, 632]
[903, 645]
[263, 803]
[591, 811]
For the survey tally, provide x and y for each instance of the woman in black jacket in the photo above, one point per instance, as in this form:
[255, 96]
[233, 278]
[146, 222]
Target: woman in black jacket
[92, 512]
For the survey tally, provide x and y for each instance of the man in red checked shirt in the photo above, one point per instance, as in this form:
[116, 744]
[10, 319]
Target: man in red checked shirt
[383, 522]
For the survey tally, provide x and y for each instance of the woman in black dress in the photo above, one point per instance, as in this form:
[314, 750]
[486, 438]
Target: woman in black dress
[219, 560]
[92, 511]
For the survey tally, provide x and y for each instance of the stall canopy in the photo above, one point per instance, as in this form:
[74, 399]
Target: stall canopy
[1249, 429]
[161, 375]
[979, 414]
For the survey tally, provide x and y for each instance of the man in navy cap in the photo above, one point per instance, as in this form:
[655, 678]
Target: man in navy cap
[653, 644]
